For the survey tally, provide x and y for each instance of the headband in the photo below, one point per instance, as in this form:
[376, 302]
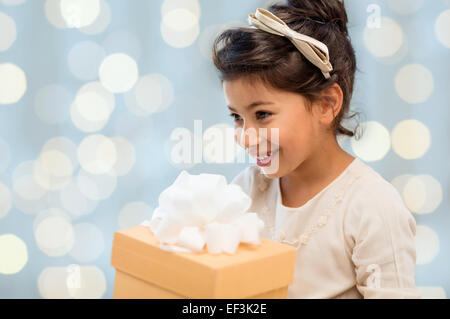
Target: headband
[315, 51]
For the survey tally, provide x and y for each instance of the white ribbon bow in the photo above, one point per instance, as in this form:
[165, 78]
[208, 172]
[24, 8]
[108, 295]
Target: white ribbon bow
[203, 209]
[315, 51]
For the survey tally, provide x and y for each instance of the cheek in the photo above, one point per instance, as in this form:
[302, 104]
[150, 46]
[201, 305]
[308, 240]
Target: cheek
[296, 139]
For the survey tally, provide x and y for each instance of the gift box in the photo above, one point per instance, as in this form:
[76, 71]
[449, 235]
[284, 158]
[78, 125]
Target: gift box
[144, 270]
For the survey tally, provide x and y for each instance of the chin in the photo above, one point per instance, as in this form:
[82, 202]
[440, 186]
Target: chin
[270, 172]
[274, 170]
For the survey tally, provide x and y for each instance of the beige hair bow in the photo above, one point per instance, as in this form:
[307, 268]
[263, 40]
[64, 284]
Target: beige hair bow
[315, 51]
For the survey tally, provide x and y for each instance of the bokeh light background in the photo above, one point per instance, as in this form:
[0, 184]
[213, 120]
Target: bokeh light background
[91, 92]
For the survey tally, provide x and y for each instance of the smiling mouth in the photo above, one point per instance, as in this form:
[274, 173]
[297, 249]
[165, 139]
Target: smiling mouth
[267, 157]
[264, 156]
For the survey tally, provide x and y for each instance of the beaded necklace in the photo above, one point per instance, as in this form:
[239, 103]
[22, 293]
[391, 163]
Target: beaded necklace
[320, 222]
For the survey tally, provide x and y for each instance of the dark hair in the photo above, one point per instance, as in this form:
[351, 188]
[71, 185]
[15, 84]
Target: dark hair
[253, 53]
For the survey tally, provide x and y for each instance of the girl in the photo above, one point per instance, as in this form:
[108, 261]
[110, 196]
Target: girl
[294, 73]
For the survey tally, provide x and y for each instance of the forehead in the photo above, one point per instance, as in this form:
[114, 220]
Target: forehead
[243, 90]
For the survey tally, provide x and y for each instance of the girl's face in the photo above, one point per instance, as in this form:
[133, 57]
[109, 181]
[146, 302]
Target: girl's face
[255, 106]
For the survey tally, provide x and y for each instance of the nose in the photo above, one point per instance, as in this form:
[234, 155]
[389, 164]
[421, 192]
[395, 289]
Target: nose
[247, 136]
[251, 139]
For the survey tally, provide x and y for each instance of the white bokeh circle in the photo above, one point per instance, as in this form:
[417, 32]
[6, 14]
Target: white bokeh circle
[101, 23]
[374, 143]
[79, 13]
[180, 28]
[180, 19]
[93, 107]
[75, 202]
[13, 254]
[92, 284]
[13, 83]
[53, 282]
[63, 145]
[56, 163]
[86, 114]
[53, 232]
[411, 139]
[97, 154]
[442, 27]
[153, 93]
[385, 41]
[9, 34]
[118, 73]
[427, 244]
[52, 170]
[53, 14]
[72, 282]
[126, 157]
[422, 194]
[414, 83]
[24, 182]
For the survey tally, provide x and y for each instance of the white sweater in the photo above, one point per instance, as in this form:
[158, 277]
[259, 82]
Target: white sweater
[354, 239]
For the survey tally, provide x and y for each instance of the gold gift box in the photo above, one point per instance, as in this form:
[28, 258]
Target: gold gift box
[144, 270]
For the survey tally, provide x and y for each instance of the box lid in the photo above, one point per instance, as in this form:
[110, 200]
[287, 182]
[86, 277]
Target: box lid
[253, 269]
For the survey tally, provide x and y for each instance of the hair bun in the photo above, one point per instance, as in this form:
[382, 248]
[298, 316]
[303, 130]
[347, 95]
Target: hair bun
[325, 11]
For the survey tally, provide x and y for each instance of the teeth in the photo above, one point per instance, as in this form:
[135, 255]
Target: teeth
[266, 156]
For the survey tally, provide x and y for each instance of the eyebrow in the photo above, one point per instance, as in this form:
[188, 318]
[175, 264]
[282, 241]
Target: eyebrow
[251, 106]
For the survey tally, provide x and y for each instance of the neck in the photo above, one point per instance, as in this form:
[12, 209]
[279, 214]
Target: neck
[325, 164]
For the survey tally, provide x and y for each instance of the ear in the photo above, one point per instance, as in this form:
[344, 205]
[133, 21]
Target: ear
[331, 104]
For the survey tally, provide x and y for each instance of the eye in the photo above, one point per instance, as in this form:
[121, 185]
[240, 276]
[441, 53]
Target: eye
[262, 115]
[236, 117]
